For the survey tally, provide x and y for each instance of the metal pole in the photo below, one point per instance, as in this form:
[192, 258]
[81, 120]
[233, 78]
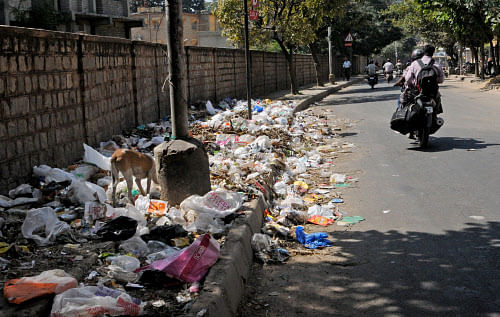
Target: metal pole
[247, 58]
[176, 69]
[396, 49]
[331, 75]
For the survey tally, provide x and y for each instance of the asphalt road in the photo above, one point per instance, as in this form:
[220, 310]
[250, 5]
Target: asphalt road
[430, 245]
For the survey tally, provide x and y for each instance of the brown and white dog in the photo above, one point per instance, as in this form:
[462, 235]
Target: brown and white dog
[132, 163]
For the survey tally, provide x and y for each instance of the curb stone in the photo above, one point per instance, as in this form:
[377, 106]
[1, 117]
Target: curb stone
[224, 286]
[303, 105]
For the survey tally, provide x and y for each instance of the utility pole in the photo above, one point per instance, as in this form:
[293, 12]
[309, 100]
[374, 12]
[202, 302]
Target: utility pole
[396, 49]
[182, 163]
[248, 60]
[331, 75]
[176, 69]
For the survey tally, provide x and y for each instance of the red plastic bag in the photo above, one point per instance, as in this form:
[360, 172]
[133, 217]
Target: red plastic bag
[192, 263]
[320, 220]
[54, 281]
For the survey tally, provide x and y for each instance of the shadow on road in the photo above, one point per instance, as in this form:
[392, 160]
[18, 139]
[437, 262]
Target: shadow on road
[441, 144]
[396, 274]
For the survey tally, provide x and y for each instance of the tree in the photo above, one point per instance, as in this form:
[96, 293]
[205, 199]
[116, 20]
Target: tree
[188, 6]
[290, 24]
[134, 4]
[193, 6]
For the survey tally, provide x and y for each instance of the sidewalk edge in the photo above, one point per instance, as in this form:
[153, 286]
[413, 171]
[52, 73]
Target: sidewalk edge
[304, 104]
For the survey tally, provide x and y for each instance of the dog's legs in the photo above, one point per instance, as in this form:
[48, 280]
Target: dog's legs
[115, 174]
[149, 180]
[139, 185]
[130, 185]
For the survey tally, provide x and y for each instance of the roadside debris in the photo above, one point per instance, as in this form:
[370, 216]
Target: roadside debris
[147, 256]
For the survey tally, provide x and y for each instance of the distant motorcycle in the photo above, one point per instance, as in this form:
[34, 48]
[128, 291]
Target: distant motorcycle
[372, 80]
[389, 77]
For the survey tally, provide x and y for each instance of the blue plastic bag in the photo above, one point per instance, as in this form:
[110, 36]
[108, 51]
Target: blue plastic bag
[258, 108]
[312, 240]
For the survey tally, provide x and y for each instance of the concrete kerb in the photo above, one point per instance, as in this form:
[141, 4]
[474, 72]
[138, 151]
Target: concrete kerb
[304, 104]
[224, 286]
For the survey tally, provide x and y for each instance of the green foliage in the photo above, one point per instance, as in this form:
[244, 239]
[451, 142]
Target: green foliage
[370, 27]
[193, 6]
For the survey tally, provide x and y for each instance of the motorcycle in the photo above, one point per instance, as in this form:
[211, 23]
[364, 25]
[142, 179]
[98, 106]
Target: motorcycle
[389, 77]
[426, 120]
[419, 118]
[372, 80]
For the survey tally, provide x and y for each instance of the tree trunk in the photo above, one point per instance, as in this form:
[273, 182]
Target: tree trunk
[493, 57]
[476, 60]
[291, 66]
[314, 53]
[450, 51]
[481, 50]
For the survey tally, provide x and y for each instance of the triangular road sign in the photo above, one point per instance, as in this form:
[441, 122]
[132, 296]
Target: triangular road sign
[348, 38]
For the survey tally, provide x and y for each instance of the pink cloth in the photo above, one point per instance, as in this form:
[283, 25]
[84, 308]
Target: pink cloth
[413, 70]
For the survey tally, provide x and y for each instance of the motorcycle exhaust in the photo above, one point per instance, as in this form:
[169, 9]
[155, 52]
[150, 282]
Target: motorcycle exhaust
[439, 121]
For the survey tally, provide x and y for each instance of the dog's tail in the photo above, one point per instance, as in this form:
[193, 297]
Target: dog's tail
[115, 172]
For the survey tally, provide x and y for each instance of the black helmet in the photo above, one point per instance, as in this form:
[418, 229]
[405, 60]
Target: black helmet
[416, 54]
[370, 62]
[388, 59]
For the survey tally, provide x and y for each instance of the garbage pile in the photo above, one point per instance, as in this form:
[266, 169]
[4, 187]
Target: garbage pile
[60, 235]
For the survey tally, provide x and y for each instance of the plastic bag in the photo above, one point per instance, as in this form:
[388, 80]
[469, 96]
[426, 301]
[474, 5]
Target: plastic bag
[25, 190]
[84, 171]
[165, 233]
[320, 211]
[82, 192]
[120, 228]
[128, 263]
[192, 263]
[93, 157]
[108, 148]
[94, 211]
[43, 218]
[320, 220]
[210, 107]
[90, 301]
[129, 211]
[267, 250]
[136, 246]
[54, 281]
[218, 203]
[337, 178]
[52, 174]
[313, 240]
[206, 223]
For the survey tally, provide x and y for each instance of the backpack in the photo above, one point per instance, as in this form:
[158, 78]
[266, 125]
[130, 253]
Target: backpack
[427, 79]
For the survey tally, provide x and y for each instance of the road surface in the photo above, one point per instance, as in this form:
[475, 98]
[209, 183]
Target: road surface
[430, 245]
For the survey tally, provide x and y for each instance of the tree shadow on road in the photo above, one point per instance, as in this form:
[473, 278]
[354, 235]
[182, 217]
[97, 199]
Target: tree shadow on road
[391, 273]
[441, 144]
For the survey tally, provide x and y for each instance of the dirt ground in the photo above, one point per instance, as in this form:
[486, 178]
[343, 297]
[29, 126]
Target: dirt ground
[294, 288]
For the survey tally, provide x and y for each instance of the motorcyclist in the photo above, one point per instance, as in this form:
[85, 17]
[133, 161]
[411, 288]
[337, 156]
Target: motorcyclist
[388, 67]
[371, 69]
[399, 66]
[414, 69]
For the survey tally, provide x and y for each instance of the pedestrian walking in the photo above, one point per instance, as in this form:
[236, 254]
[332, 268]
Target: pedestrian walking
[347, 68]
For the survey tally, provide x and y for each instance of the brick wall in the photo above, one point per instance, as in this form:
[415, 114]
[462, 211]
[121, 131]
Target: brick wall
[59, 90]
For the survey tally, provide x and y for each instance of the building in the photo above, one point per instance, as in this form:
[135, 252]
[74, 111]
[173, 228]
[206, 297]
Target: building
[97, 17]
[200, 29]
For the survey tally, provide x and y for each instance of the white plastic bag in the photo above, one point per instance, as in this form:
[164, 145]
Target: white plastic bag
[210, 108]
[319, 210]
[218, 203]
[90, 301]
[84, 171]
[52, 174]
[338, 178]
[96, 158]
[136, 246]
[43, 218]
[82, 192]
[206, 223]
[128, 263]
